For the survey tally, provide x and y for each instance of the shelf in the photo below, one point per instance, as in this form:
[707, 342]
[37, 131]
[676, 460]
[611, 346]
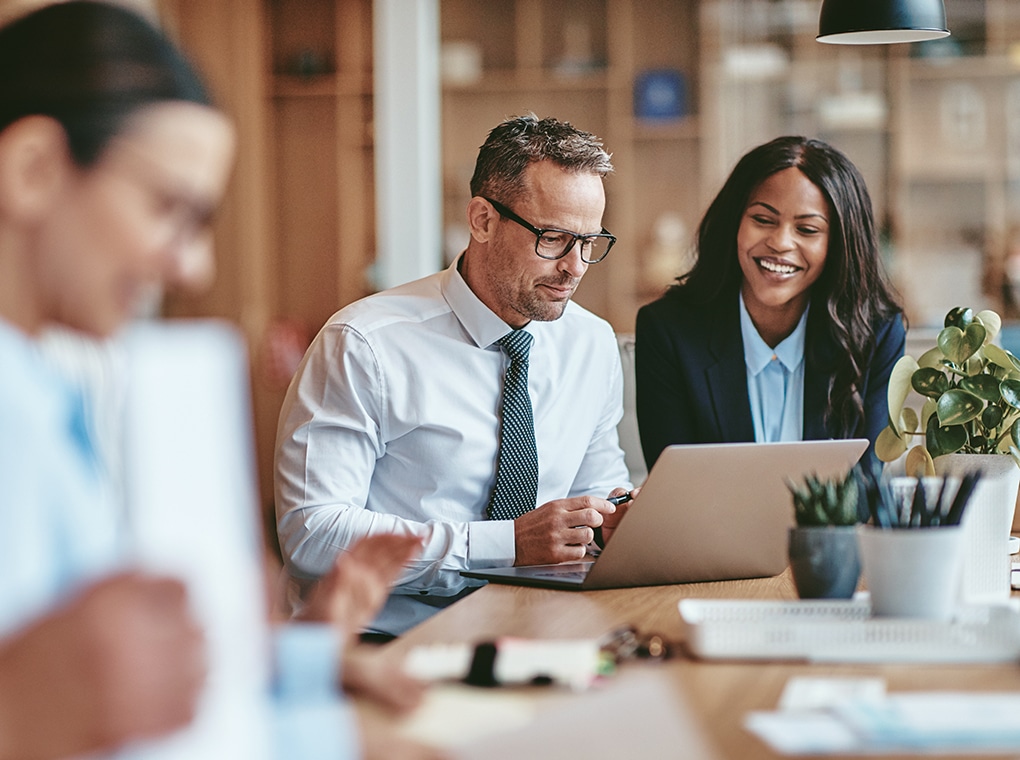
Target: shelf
[941, 175]
[323, 85]
[685, 128]
[530, 80]
[961, 67]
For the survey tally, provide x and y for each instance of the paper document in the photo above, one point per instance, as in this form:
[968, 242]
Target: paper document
[839, 716]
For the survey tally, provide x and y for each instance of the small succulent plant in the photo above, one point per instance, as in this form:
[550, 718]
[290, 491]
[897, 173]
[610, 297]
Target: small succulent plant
[826, 502]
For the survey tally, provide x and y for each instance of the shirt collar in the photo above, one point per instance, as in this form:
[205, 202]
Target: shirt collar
[478, 320]
[758, 353]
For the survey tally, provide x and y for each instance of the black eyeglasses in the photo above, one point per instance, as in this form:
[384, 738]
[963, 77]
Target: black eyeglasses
[554, 244]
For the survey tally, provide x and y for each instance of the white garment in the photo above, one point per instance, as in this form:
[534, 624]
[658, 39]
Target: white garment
[61, 527]
[392, 424]
[775, 380]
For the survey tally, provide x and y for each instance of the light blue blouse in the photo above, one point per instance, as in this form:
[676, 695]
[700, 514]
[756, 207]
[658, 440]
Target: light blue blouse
[61, 527]
[775, 381]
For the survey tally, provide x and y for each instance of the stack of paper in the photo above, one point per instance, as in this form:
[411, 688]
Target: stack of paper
[859, 719]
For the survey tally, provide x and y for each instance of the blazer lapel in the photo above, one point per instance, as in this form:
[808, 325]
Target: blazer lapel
[819, 358]
[727, 378]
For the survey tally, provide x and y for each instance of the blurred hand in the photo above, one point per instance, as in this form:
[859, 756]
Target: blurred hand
[559, 531]
[354, 590]
[122, 661]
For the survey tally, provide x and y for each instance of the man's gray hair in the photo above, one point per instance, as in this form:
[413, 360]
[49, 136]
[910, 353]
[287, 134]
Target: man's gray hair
[523, 140]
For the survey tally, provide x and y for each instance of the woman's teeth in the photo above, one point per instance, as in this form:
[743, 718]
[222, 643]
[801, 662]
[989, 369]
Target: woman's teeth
[772, 266]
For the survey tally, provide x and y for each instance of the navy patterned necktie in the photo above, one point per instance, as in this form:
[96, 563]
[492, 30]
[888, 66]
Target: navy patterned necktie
[516, 489]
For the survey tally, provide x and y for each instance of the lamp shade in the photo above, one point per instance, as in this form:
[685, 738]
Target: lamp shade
[869, 22]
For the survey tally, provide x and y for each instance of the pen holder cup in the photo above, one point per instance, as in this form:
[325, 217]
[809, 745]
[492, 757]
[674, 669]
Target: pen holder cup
[912, 572]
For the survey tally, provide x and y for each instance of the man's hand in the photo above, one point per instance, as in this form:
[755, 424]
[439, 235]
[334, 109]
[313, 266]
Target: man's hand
[559, 531]
[355, 588]
[610, 523]
[122, 661]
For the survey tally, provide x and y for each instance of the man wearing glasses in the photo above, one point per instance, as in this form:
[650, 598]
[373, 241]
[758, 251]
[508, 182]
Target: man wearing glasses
[475, 408]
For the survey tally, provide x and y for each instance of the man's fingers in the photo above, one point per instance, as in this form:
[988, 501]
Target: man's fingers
[581, 536]
[588, 517]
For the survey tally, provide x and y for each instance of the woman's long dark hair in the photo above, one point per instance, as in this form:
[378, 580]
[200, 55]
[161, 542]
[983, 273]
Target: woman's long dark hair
[850, 299]
[90, 66]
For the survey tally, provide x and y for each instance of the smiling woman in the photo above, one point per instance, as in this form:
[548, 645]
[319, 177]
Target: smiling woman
[785, 328]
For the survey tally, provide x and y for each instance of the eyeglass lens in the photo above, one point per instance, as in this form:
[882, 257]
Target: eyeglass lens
[552, 244]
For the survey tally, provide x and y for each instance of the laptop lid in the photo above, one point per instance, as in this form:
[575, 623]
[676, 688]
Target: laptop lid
[707, 512]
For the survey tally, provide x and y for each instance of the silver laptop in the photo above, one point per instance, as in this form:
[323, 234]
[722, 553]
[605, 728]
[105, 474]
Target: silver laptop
[708, 512]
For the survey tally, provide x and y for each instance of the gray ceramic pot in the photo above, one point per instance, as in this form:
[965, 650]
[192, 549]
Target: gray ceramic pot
[824, 561]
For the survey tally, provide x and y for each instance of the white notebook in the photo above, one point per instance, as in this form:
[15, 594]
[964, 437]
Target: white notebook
[190, 494]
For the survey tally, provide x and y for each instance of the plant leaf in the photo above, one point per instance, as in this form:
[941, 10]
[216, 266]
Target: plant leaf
[1010, 390]
[1001, 357]
[888, 446]
[899, 387]
[929, 382]
[983, 386]
[991, 417]
[959, 345]
[933, 357]
[991, 321]
[975, 365]
[944, 439]
[961, 316]
[919, 463]
[957, 406]
[908, 420]
[929, 408]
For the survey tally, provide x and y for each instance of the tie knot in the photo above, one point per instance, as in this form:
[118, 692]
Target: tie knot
[517, 344]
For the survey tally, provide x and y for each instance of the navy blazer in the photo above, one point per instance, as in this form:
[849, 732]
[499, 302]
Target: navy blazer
[692, 378]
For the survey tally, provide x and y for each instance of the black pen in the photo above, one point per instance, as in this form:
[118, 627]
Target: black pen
[621, 499]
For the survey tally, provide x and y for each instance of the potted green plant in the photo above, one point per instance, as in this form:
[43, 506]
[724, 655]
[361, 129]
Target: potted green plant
[823, 545]
[970, 419]
[971, 389]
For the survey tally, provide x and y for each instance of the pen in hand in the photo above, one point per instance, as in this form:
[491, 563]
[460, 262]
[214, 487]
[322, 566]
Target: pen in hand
[621, 499]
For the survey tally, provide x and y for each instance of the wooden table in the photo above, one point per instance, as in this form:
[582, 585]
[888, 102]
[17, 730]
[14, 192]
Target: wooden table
[718, 693]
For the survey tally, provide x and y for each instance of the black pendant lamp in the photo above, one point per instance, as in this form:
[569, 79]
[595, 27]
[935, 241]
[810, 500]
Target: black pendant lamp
[870, 22]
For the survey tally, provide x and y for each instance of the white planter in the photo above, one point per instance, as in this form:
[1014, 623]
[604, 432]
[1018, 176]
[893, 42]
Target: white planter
[912, 572]
[987, 523]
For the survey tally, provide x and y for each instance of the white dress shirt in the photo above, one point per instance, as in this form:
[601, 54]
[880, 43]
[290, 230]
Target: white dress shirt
[392, 424]
[775, 381]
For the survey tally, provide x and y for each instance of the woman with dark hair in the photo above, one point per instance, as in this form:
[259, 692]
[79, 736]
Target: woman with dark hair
[786, 327]
[112, 160]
